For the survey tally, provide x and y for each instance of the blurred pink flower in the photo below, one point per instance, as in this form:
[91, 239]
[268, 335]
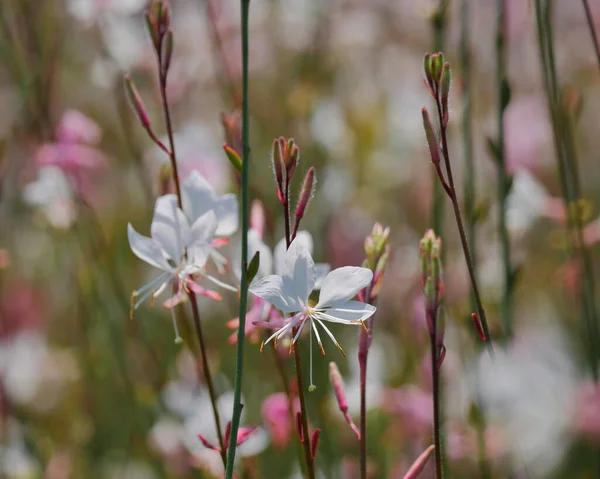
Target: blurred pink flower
[74, 152]
[20, 309]
[276, 417]
[462, 443]
[527, 132]
[414, 408]
[586, 414]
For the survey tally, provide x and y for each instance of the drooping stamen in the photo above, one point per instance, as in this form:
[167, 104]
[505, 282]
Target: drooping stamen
[220, 283]
[178, 339]
[312, 387]
[318, 339]
[330, 334]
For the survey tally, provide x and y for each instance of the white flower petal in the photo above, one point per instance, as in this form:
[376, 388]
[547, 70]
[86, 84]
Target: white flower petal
[351, 311]
[299, 269]
[275, 290]
[197, 195]
[147, 249]
[342, 284]
[321, 271]
[203, 229]
[170, 227]
[227, 214]
[303, 237]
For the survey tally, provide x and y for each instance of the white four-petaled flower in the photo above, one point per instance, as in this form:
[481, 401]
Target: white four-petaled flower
[290, 291]
[177, 249]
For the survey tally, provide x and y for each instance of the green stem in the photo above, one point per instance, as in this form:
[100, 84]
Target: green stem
[503, 177]
[461, 231]
[237, 400]
[310, 467]
[437, 433]
[207, 374]
[569, 178]
[590, 21]
[438, 23]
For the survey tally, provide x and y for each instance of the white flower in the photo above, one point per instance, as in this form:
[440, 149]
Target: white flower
[53, 194]
[290, 293]
[525, 203]
[273, 262]
[177, 249]
[198, 198]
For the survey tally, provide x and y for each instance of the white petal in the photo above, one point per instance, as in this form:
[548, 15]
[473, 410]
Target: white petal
[170, 227]
[203, 229]
[350, 311]
[275, 290]
[198, 196]
[227, 214]
[342, 284]
[147, 249]
[321, 270]
[303, 237]
[299, 268]
[199, 255]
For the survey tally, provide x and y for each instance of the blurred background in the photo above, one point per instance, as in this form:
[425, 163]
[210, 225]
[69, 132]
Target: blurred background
[87, 393]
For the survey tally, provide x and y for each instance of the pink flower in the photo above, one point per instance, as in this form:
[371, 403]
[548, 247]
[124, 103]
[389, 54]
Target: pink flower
[586, 416]
[276, 416]
[414, 408]
[74, 151]
[260, 314]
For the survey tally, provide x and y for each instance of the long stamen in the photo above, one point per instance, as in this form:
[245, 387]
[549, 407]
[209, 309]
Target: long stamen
[330, 334]
[220, 283]
[312, 387]
[178, 339]
[319, 340]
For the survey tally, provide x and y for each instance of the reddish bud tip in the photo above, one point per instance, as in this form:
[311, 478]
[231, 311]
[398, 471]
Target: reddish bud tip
[306, 193]
[314, 442]
[478, 326]
[419, 464]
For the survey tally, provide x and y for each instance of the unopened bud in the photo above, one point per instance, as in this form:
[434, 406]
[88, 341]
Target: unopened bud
[306, 193]
[290, 158]
[233, 131]
[338, 386]
[136, 102]
[437, 64]
[233, 157]
[445, 91]
[314, 442]
[167, 51]
[419, 464]
[429, 290]
[434, 150]
[427, 70]
[277, 162]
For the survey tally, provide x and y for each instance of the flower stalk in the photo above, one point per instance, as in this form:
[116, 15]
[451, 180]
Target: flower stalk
[377, 253]
[432, 283]
[437, 74]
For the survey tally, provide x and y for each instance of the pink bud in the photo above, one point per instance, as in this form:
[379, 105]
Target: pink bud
[478, 326]
[314, 442]
[338, 389]
[419, 464]
[136, 102]
[306, 193]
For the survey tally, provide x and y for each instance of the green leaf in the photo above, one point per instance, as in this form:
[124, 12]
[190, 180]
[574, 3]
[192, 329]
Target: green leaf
[233, 157]
[253, 267]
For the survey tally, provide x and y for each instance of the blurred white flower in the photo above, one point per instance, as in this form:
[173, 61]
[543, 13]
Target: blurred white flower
[53, 195]
[528, 390]
[526, 202]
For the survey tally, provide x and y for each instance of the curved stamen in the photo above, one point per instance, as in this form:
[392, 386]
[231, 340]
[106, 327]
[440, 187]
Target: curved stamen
[330, 334]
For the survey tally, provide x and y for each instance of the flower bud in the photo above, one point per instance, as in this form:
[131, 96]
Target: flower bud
[419, 464]
[233, 157]
[277, 163]
[233, 131]
[434, 150]
[136, 102]
[167, 51]
[290, 158]
[445, 91]
[314, 442]
[427, 70]
[338, 389]
[306, 193]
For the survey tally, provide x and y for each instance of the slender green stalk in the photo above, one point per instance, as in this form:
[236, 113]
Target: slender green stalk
[502, 98]
[207, 374]
[569, 178]
[437, 423]
[438, 23]
[590, 22]
[310, 466]
[237, 399]
[470, 201]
